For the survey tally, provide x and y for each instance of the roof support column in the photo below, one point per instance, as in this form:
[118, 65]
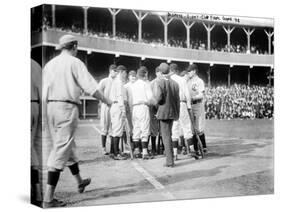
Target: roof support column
[209, 74]
[249, 75]
[114, 12]
[140, 16]
[229, 75]
[248, 32]
[165, 22]
[53, 15]
[228, 31]
[209, 27]
[188, 26]
[269, 36]
[85, 19]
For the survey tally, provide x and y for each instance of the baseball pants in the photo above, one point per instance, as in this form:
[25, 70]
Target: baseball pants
[141, 122]
[199, 115]
[62, 122]
[34, 126]
[105, 121]
[117, 120]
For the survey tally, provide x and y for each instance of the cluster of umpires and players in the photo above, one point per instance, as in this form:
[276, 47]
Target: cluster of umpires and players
[170, 108]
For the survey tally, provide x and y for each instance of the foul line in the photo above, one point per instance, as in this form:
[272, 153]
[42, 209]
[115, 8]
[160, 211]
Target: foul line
[157, 185]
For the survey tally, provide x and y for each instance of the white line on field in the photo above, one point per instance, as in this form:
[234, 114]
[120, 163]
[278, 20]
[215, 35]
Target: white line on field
[157, 185]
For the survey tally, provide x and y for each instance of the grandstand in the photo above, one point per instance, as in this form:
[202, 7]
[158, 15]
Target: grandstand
[227, 49]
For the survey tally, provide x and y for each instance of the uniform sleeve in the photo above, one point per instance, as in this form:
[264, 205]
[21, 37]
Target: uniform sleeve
[201, 87]
[84, 79]
[101, 86]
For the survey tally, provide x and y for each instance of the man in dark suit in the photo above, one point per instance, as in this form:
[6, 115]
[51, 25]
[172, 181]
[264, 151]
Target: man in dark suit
[167, 98]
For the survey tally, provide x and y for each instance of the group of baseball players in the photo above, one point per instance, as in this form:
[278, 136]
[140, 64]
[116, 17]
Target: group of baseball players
[170, 106]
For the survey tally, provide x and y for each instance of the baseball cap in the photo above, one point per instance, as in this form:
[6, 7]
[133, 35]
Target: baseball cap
[65, 39]
[142, 71]
[121, 68]
[192, 67]
[164, 68]
[174, 67]
[183, 73]
[112, 67]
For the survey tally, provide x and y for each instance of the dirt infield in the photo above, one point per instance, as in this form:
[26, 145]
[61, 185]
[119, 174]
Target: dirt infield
[240, 162]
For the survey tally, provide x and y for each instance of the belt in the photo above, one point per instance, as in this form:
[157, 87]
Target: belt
[184, 101]
[36, 101]
[114, 102]
[193, 102]
[67, 101]
[140, 104]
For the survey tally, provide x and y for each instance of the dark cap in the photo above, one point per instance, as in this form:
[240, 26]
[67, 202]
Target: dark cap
[142, 71]
[192, 67]
[164, 68]
[133, 73]
[174, 67]
[121, 68]
[112, 67]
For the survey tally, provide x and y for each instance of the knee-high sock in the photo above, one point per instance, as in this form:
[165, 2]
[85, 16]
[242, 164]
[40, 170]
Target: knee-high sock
[153, 143]
[111, 145]
[195, 143]
[203, 140]
[103, 140]
[144, 147]
[175, 147]
[116, 145]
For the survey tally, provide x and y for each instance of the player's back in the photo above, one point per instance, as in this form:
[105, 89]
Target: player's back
[141, 91]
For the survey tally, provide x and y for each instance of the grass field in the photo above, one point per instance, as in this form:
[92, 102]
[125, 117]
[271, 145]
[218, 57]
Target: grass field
[240, 162]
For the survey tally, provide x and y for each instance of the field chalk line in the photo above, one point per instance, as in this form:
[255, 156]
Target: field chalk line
[157, 185]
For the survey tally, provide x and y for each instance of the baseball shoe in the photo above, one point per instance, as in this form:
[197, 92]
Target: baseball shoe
[205, 150]
[195, 155]
[104, 152]
[184, 151]
[54, 204]
[119, 157]
[147, 157]
[83, 185]
[36, 202]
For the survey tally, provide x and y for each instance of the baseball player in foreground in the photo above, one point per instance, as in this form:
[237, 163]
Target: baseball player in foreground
[141, 99]
[105, 122]
[197, 91]
[182, 126]
[64, 79]
[36, 94]
[118, 110]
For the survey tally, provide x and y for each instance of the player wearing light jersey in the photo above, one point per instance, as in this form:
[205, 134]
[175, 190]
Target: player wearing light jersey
[197, 93]
[141, 99]
[105, 88]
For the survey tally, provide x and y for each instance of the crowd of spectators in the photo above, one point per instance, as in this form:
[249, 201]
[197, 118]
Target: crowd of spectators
[149, 38]
[239, 101]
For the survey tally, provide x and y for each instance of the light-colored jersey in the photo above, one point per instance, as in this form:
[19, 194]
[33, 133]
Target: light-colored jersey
[105, 86]
[117, 93]
[141, 92]
[128, 89]
[36, 81]
[64, 77]
[183, 89]
[196, 86]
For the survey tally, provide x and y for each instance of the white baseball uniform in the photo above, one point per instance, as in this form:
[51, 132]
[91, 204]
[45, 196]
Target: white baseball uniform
[196, 87]
[64, 79]
[105, 122]
[117, 110]
[183, 125]
[141, 94]
[36, 94]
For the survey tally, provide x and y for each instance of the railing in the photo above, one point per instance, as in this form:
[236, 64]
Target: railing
[129, 48]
